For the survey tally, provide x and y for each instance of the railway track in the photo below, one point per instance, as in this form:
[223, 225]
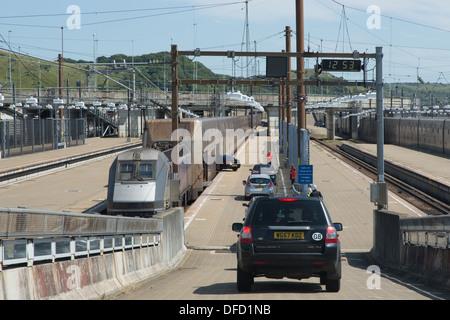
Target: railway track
[422, 200]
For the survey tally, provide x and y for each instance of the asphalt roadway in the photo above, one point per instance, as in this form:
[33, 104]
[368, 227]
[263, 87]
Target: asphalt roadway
[208, 271]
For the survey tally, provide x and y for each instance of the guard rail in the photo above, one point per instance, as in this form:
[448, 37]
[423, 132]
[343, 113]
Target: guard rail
[27, 235]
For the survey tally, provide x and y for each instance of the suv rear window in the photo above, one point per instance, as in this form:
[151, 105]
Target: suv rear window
[288, 213]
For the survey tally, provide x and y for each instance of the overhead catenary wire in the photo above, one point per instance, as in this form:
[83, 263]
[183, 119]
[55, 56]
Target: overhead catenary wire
[8, 20]
[398, 19]
[404, 49]
[343, 25]
[178, 10]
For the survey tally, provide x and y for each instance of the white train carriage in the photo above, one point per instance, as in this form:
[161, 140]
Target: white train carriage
[142, 182]
[194, 173]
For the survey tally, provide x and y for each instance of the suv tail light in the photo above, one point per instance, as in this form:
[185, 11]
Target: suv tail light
[246, 235]
[248, 183]
[271, 184]
[331, 236]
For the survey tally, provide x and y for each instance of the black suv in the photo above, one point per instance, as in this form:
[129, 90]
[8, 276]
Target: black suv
[290, 237]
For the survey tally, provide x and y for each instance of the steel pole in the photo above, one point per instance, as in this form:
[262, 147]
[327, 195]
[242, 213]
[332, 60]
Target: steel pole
[175, 104]
[380, 117]
[301, 92]
[382, 190]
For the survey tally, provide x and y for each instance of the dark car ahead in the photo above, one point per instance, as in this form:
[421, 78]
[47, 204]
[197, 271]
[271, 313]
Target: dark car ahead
[268, 169]
[228, 162]
[288, 237]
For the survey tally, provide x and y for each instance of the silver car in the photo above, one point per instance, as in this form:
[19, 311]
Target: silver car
[258, 184]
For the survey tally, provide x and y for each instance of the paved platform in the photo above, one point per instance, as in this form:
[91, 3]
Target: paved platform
[431, 165]
[76, 189]
[32, 159]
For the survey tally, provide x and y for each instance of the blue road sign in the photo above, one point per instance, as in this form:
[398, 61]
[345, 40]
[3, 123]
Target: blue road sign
[305, 174]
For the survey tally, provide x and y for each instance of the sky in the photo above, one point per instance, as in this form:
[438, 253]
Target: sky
[414, 34]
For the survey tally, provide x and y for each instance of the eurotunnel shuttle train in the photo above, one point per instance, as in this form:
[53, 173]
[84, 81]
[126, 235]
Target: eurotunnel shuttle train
[142, 181]
[139, 183]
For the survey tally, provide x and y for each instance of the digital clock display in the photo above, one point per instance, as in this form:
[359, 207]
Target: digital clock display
[341, 65]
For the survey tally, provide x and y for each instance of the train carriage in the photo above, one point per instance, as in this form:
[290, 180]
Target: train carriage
[131, 194]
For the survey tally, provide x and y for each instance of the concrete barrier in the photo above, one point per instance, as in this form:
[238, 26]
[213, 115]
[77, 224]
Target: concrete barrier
[95, 277]
[429, 263]
[387, 239]
[423, 259]
[173, 246]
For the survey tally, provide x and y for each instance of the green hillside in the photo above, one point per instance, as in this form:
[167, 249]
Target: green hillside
[26, 72]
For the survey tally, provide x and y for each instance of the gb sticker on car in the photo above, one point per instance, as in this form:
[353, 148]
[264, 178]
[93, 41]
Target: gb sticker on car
[317, 236]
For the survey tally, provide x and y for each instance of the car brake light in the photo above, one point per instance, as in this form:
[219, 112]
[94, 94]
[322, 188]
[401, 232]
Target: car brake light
[248, 183]
[331, 236]
[271, 184]
[246, 235]
[287, 199]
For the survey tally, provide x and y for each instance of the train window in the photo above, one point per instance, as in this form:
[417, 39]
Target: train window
[146, 171]
[136, 171]
[125, 171]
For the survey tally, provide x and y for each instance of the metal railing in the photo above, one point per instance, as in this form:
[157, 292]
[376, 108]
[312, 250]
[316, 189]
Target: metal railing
[431, 231]
[27, 236]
